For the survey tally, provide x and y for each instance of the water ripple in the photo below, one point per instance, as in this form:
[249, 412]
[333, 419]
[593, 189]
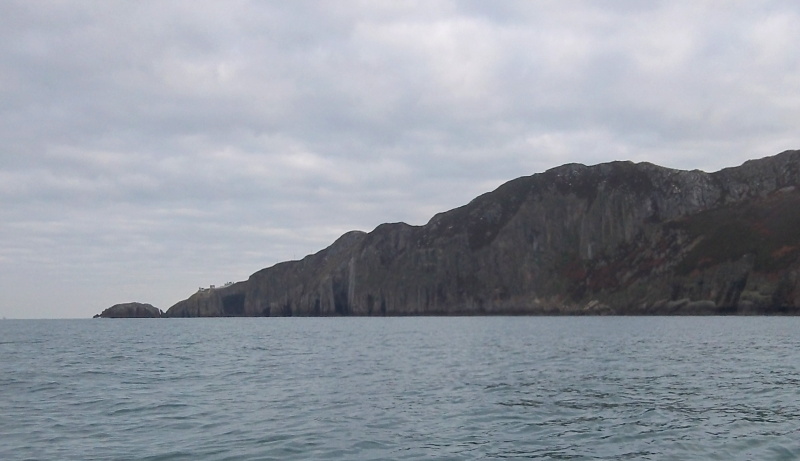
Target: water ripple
[414, 388]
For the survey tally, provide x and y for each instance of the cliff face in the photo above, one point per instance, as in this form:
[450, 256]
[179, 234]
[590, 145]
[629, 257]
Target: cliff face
[616, 238]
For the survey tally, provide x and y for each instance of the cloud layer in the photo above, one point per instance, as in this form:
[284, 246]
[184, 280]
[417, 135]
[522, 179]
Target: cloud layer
[152, 147]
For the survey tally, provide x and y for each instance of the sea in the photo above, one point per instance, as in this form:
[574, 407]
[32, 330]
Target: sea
[412, 388]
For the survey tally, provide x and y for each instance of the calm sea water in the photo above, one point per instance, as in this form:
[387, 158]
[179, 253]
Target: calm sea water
[401, 388]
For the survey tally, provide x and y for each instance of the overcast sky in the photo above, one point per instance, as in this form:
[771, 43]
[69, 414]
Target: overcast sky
[152, 147]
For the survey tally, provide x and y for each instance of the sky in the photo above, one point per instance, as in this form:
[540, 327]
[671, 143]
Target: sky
[149, 148]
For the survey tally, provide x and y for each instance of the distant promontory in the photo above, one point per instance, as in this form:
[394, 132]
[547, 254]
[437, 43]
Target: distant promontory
[615, 238]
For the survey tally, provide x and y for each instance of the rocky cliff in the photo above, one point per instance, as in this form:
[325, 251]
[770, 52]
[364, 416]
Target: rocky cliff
[130, 310]
[615, 238]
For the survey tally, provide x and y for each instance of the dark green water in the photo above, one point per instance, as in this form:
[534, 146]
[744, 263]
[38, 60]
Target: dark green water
[401, 388]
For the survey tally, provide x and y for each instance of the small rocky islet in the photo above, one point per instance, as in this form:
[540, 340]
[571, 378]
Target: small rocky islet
[131, 310]
[617, 238]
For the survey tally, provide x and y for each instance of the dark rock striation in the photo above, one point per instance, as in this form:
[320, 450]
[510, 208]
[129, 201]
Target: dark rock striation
[615, 238]
[130, 310]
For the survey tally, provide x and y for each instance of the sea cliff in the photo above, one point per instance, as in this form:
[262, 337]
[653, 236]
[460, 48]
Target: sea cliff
[615, 238]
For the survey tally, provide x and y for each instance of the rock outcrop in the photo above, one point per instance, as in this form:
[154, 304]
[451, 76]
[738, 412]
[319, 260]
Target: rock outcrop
[130, 310]
[615, 238]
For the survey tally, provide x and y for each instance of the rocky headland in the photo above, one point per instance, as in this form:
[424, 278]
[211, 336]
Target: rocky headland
[130, 310]
[615, 238]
